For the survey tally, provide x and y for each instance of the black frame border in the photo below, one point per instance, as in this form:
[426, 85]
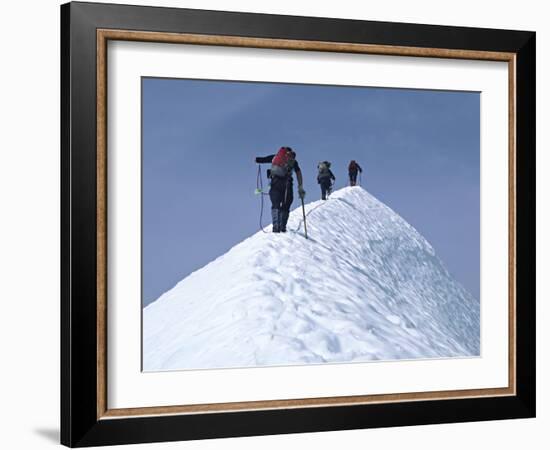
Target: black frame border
[79, 423]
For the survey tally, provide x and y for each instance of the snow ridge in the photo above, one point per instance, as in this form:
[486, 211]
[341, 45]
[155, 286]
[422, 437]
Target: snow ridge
[365, 286]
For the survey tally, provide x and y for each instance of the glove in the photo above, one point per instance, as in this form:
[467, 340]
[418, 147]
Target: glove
[301, 192]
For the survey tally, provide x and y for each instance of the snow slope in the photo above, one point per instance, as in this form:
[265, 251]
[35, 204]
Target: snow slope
[364, 286]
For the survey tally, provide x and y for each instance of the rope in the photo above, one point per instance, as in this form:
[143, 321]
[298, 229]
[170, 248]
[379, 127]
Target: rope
[260, 185]
[308, 213]
[313, 209]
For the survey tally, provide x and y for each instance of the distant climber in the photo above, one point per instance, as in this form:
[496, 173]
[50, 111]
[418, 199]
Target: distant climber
[325, 177]
[353, 168]
[281, 188]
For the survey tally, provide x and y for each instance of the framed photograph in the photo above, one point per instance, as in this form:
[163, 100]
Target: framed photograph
[277, 224]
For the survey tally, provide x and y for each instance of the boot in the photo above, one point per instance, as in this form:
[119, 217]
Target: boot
[276, 217]
[284, 220]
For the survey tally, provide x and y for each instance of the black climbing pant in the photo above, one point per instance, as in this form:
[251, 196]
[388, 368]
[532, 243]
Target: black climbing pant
[325, 188]
[281, 196]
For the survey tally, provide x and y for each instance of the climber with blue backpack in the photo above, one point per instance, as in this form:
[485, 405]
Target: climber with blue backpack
[283, 163]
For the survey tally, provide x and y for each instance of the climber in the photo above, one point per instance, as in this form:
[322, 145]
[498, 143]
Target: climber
[325, 178]
[353, 169]
[281, 187]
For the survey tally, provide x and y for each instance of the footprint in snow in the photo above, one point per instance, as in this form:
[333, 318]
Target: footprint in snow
[394, 319]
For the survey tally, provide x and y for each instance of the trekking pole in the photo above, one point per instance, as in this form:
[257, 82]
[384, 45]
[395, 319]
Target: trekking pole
[360, 173]
[304, 213]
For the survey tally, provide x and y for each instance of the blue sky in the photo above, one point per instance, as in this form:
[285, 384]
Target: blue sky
[420, 151]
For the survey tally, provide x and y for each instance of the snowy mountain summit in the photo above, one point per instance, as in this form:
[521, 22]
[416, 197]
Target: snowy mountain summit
[365, 286]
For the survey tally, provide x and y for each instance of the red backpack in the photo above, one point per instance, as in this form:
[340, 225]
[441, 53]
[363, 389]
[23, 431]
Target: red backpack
[282, 157]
